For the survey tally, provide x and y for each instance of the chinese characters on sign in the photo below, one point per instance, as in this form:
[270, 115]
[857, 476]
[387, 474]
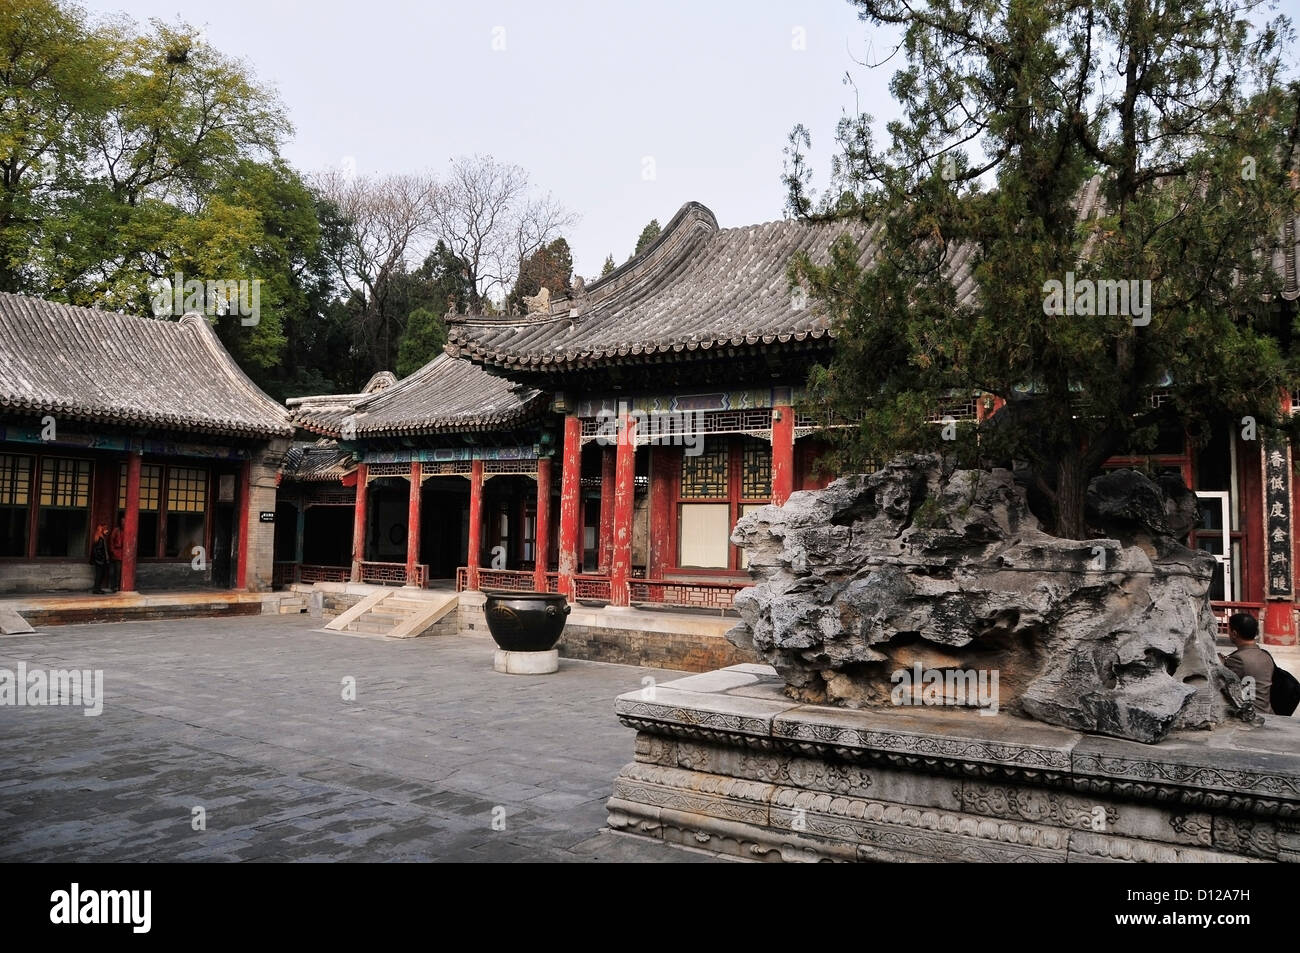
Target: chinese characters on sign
[1277, 516]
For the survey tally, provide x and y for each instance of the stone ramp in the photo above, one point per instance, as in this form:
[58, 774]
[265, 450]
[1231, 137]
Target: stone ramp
[43, 610]
[395, 613]
[11, 623]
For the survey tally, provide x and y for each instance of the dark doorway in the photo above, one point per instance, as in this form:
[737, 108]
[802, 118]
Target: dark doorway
[444, 525]
[223, 546]
[327, 536]
[286, 532]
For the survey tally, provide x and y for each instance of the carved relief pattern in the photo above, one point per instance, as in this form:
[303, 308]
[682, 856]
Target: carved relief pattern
[1198, 826]
[1032, 805]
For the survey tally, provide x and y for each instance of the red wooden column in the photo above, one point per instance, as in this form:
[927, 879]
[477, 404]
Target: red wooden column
[413, 527]
[359, 522]
[570, 502]
[542, 526]
[665, 468]
[131, 528]
[620, 566]
[245, 508]
[782, 453]
[475, 555]
[608, 460]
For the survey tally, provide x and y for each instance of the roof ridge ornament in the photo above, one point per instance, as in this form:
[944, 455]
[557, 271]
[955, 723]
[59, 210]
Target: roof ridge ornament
[539, 303]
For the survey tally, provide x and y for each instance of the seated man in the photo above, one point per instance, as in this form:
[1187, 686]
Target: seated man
[1250, 661]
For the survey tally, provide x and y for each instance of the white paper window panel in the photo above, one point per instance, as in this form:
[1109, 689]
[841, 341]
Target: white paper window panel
[704, 531]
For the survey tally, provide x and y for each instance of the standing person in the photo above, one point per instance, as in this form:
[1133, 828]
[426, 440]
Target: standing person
[99, 557]
[1250, 661]
[115, 539]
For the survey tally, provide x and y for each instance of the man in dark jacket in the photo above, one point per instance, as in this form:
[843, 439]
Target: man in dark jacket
[1250, 661]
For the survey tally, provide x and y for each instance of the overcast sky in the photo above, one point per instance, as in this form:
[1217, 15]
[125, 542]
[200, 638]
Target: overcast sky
[622, 111]
[589, 98]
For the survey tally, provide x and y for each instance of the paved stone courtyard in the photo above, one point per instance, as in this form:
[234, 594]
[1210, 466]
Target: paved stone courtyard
[246, 719]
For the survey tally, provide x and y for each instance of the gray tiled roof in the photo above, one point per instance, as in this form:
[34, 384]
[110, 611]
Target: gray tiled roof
[697, 287]
[325, 413]
[317, 462]
[447, 395]
[1091, 203]
[100, 366]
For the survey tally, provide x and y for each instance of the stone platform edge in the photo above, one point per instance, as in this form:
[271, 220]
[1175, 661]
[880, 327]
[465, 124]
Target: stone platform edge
[41, 610]
[682, 641]
[725, 761]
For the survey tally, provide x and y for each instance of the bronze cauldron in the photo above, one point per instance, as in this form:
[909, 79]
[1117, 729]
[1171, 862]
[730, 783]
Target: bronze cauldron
[526, 621]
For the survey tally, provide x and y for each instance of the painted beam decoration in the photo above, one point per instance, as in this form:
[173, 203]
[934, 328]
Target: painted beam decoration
[121, 443]
[1277, 517]
[752, 399]
[449, 454]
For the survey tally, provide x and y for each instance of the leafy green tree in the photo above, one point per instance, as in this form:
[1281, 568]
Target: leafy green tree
[55, 91]
[439, 285]
[1011, 112]
[550, 267]
[609, 266]
[137, 194]
[425, 335]
[288, 255]
[647, 237]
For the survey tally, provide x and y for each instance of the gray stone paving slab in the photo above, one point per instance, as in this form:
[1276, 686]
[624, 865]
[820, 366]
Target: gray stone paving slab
[438, 758]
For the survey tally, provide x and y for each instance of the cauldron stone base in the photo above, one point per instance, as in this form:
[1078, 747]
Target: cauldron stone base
[725, 761]
[526, 663]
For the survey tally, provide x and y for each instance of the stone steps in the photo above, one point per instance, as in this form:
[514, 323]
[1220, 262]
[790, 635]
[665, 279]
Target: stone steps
[395, 614]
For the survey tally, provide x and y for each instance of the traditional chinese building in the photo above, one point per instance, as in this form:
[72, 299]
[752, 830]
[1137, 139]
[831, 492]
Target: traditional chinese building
[445, 472]
[107, 416]
[676, 379]
[662, 403]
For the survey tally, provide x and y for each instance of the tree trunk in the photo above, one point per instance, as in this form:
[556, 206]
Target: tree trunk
[1071, 492]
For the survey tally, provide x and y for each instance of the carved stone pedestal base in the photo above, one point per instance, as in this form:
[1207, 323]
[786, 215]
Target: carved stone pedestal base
[526, 663]
[725, 761]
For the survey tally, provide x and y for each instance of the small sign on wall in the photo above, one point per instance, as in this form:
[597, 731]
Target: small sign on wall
[1277, 516]
[266, 516]
[226, 488]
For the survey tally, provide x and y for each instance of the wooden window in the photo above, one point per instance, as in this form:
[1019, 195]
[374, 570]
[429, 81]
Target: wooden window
[151, 478]
[734, 473]
[63, 507]
[187, 505]
[703, 534]
[756, 470]
[151, 483]
[15, 503]
[705, 476]
[187, 490]
[65, 483]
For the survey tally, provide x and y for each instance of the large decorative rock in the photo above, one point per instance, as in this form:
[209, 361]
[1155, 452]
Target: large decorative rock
[915, 569]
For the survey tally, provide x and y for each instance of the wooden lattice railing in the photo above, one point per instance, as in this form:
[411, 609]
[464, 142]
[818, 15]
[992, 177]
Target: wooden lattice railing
[511, 580]
[705, 595]
[309, 572]
[392, 574]
[591, 586]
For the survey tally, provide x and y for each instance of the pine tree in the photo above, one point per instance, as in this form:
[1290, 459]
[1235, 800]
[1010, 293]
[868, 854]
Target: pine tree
[1010, 113]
